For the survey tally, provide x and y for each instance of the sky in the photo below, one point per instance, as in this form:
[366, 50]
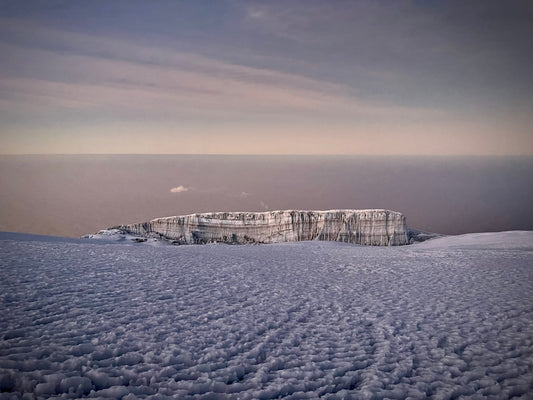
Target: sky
[266, 77]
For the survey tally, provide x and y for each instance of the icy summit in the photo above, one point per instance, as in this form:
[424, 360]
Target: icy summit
[374, 227]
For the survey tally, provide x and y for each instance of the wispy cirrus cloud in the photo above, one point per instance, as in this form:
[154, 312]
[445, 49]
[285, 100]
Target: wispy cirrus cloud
[302, 77]
[79, 71]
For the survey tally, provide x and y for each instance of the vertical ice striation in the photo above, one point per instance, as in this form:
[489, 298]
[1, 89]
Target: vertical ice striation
[373, 227]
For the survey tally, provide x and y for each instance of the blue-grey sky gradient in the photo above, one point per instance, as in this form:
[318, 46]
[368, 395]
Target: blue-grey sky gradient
[276, 77]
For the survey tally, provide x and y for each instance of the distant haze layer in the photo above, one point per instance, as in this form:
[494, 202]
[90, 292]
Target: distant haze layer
[73, 195]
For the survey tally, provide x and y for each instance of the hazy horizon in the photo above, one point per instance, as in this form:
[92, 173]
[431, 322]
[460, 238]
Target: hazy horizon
[473, 156]
[71, 195]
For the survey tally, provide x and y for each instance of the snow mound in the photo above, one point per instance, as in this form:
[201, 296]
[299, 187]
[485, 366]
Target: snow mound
[509, 240]
[447, 318]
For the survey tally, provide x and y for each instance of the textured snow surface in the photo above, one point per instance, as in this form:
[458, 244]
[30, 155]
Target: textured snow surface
[448, 318]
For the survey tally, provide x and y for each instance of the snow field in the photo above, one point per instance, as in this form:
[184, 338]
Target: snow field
[298, 320]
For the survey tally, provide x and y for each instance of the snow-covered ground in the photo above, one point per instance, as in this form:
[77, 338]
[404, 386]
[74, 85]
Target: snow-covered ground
[448, 318]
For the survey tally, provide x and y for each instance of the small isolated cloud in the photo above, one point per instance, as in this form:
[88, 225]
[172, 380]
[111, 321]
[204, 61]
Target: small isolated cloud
[245, 194]
[179, 189]
[264, 206]
[256, 13]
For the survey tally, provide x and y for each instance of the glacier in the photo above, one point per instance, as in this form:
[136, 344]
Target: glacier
[375, 227]
[450, 318]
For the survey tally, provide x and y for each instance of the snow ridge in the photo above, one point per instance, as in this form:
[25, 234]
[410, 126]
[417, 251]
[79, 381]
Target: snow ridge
[375, 227]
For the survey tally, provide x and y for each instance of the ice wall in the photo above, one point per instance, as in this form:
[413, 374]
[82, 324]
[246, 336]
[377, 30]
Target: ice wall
[367, 227]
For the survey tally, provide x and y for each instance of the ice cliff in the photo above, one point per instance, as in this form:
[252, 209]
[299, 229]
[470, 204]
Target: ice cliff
[367, 227]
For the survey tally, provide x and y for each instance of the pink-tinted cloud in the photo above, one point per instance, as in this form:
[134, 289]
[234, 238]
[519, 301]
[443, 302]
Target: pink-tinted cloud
[122, 77]
[179, 189]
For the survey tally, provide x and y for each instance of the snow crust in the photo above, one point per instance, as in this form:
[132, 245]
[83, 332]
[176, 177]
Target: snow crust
[448, 318]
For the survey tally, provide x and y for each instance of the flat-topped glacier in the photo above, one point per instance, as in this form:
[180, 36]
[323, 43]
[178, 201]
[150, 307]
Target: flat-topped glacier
[375, 227]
